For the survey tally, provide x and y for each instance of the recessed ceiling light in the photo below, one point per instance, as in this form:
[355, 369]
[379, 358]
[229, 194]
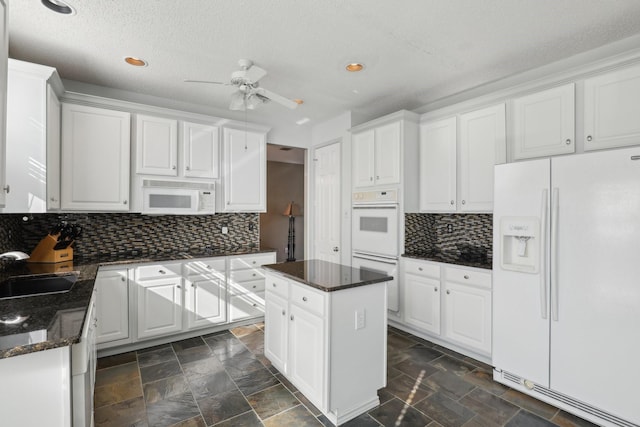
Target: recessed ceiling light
[354, 67]
[59, 6]
[136, 62]
[298, 101]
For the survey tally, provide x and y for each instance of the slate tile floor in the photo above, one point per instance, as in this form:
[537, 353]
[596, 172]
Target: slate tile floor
[223, 379]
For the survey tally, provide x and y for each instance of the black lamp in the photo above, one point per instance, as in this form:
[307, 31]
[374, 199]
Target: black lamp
[291, 211]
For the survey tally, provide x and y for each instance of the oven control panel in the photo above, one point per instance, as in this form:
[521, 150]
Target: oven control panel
[381, 196]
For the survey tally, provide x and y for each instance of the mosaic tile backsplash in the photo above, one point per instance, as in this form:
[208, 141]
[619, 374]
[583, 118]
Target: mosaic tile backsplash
[120, 233]
[469, 235]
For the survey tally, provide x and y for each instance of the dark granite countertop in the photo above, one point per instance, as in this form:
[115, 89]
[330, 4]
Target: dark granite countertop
[36, 319]
[451, 258]
[327, 276]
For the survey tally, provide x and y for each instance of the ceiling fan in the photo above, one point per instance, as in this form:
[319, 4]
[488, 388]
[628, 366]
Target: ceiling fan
[249, 94]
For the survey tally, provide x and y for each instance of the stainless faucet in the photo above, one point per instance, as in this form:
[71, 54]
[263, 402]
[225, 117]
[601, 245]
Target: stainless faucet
[14, 255]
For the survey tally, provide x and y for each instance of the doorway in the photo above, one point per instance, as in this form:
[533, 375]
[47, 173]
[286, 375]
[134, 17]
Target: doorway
[282, 226]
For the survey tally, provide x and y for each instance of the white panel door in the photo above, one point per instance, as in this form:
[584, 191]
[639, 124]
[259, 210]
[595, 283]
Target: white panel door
[205, 301]
[363, 148]
[468, 316]
[307, 353]
[422, 303]
[611, 105]
[112, 305]
[387, 154]
[482, 146]
[245, 171]
[327, 203]
[276, 331]
[95, 158]
[201, 150]
[544, 123]
[520, 303]
[159, 307]
[4, 57]
[156, 146]
[438, 166]
[595, 280]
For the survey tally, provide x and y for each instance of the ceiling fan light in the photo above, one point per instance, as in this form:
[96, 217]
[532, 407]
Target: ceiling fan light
[237, 101]
[253, 101]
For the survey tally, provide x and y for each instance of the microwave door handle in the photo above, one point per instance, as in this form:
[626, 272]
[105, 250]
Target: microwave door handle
[393, 207]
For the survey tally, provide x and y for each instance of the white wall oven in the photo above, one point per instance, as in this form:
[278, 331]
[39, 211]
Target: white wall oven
[375, 236]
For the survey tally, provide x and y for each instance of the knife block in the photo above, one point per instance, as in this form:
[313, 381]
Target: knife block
[44, 252]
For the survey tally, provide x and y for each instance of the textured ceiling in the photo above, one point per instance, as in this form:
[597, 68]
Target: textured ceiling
[415, 51]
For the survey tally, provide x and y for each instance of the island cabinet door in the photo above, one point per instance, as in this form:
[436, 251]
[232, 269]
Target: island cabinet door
[276, 331]
[307, 354]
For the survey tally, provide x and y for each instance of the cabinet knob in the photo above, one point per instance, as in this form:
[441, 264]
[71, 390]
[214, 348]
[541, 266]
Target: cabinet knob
[124, 202]
[419, 268]
[435, 289]
[162, 272]
[178, 286]
[291, 317]
[123, 279]
[464, 202]
[208, 267]
[453, 202]
[7, 188]
[335, 249]
[448, 292]
[568, 141]
[254, 304]
[283, 313]
[254, 274]
[173, 167]
[370, 178]
[304, 299]
[187, 168]
[274, 285]
[466, 276]
[377, 176]
[53, 199]
[253, 262]
[193, 285]
[589, 137]
[254, 286]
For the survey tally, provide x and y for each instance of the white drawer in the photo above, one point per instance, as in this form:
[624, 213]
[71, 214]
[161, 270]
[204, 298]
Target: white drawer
[246, 306]
[246, 275]
[252, 261]
[421, 268]
[237, 288]
[156, 271]
[203, 266]
[277, 285]
[471, 277]
[306, 297]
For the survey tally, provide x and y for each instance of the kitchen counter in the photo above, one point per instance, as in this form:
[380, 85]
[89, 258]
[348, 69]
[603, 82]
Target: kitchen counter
[38, 318]
[452, 258]
[327, 276]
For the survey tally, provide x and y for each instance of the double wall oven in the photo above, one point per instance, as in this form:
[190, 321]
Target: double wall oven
[375, 236]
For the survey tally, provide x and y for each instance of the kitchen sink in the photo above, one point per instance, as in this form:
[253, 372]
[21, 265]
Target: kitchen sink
[40, 284]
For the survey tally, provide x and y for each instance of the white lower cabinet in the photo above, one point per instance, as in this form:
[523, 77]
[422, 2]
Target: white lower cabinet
[112, 305]
[451, 304]
[313, 339]
[205, 295]
[246, 285]
[159, 307]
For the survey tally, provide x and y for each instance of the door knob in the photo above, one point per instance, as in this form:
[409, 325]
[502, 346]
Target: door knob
[335, 249]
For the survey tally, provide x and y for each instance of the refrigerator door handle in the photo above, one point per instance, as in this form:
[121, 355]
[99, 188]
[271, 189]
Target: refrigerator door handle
[543, 257]
[554, 253]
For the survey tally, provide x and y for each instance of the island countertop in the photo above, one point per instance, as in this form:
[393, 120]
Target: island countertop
[327, 276]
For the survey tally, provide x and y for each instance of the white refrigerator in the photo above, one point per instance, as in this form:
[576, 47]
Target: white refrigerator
[566, 290]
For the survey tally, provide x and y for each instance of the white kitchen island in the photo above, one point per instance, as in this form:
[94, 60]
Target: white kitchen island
[326, 332]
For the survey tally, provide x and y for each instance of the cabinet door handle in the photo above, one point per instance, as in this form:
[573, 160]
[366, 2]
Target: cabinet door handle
[335, 249]
[304, 299]
[448, 292]
[283, 313]
[291, 317]
[7, 188]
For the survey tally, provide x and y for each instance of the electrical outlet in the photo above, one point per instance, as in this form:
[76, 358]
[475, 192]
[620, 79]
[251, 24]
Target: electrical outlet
[225, 230]
[449, 228]
[360, 318]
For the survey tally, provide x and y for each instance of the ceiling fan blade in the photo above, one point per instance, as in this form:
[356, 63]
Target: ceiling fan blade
[276, 98]
[255, 73]
[206, 81]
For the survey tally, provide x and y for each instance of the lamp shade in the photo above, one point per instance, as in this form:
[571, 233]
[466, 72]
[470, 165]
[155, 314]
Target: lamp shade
[291, 210]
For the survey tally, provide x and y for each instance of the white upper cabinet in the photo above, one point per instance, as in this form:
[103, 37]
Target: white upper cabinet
[377, 156]
[4, 55]
[95, 158]
[201, 150]
[612, 103]
[245, 170]
[438, 166]
[156, 146]
[32, 139]
[482, 146]
[544, 123]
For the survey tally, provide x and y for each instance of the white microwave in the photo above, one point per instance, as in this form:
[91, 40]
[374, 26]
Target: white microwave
[178, 198]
